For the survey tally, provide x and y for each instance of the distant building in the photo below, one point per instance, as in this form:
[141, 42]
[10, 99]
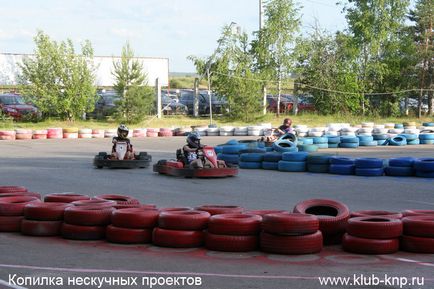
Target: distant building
[155, 67]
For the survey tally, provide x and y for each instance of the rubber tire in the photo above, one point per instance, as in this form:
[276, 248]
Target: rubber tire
[368, 163]
[75, 232]
[177, 239]
[135, 218]
[369, 172]
[419, 226]
[257, 150]
[270, 166]
[233, 149]
[94, 203]
[272, 157]
[368, 144]
[308, 148]
[231, 243]
[220, 209]
[349, 145]
[65, 198]
[408, 213]
[87, 216]
[423, 174]
[342, 169]
[398, 141]
[333, 215]
[319, 159]
[295, 156]
[290, 224]
[417, 244]
[45, 211]
[424, 164]
[365, 138]
[288, 146]
[40, 228]
[374, 227]
[335, 160]
[369, 246]
[285, 166]
[250, 165]
[229, 158]
[399, 171]
[262, 213]
[402, 162]
[14, 206]
[127, 235]
[251, 157]
[119, 199]
[367, 213]
[291, 245]
[350, 140]
[183, 220]
[10, 223]
[234, 224]
[317, 168]
[12, 189]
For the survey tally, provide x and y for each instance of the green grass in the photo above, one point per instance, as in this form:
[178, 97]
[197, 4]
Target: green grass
[184, 121]
[186, 82]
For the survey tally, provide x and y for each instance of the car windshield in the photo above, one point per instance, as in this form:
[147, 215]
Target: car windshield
[12, 99]
[110, 98]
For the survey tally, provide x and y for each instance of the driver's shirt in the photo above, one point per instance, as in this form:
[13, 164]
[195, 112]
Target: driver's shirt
[116, 139]
[191, 156]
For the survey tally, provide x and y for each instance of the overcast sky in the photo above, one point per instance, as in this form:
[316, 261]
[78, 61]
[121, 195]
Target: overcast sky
[154, 28]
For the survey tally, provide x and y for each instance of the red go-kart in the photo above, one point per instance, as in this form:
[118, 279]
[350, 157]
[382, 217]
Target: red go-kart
[212, 168]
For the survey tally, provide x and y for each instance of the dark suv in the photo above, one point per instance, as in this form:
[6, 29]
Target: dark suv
[106, 104]
[219, 104]
[15, 106]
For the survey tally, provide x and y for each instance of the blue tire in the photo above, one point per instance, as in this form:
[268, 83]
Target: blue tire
[295, 157]
[399, 125]
[371, 172]
[270, 165]
[289, 137]
[232, 149]
[232, 142]
[335, 160]
[426, 136]
[333, 145]
[365, 138]
[409, 136]
[423, 174]
[251, 157]
[269, 149]
[218, 149]
[368, 143]
[308, 141]
[285, 166]
[349, 145]
[368, 163]
[349, 139]
[382, 142]
[284, 146]
[319, 169]
[272, 157]
[398, 141]
[308, 148]
[229, 158]
[333, 139]
[399, 171]
[427, 142]
[402, 162]
[322, 145]
[319, 159]
[250, 165]
[380, 136]
[424, 164]
[430, 124]
[320, 139]
[248, 151]
[342, 169]
[414, 142]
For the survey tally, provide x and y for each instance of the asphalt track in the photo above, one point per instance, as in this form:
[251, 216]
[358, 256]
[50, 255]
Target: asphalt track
[50, 166]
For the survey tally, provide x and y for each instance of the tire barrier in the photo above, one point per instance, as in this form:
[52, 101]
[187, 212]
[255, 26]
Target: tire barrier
[369, 167]
[284, 146]
[368, 213]
[424, 167]
[270, 165]
[318, 163]
[286, 166]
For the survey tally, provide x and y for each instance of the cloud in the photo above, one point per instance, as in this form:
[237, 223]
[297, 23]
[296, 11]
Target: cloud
[15, 34]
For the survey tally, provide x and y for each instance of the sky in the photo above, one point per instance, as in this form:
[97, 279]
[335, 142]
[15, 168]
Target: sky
[172, 29]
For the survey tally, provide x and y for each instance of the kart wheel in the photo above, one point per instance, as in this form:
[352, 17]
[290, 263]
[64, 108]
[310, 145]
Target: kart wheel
[102, 154]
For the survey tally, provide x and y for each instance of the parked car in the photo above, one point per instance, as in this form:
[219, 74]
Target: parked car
[106, 104]
[305, 103]
[14, 105]
[219, 104]
[171, 105]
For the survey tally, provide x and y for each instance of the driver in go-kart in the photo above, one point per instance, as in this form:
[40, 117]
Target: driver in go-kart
[191, 150]
[123, 137]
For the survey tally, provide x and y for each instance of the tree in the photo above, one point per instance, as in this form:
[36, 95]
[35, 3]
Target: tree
[57, 80]
[137, 98]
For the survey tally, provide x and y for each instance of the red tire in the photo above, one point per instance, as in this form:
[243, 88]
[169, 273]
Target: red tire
[367, 213]
[419, 226]
[65, 197]
[119, 199]
[128, 236]
[177, 238]
[45, 211]
[127, 206]
[88, 216]
[94, 203]
[231, 243]
[333, 215]
[417, 244]
[183, 220]
[375, 227]
[176, 209]
[75, 232]
[291, 245]
[369, 246]
[234, 224]
[21, 136]
[263, 212]
[135, 218]
[14, 206]
[220, 209]
[40, 228]
[17, 194]
[10, 223]
[290, 224]
[12, 189]
[408, 213]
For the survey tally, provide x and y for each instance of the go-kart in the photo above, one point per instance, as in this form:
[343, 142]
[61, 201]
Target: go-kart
[119, 160]
[212, 168]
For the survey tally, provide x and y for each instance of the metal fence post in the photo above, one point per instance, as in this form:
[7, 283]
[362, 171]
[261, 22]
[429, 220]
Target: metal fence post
[158, 95]
[196, 98]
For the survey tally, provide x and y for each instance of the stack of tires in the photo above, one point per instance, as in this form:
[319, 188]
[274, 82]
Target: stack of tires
[70, 132]
[54, 133]
[424, 167]
[233, 232]
[226, 131]
[283, 145]
[270, 160]
[411, 138]
[342, 166]
[426, 138]
[139, 132]
[255, 130]
[180, 229]
[165, 132]
[400, 167]
[212, 131]
[398, 140]
[7, 135]
[349, 142]
[23, 134]
[87, 219]
[85, 133]
[369, 167]
[251, 160]
[349, 131]
[301, 130]
[366, 140]
[220, 209]
[109, 133]
[121, 201]
[182, 131]
[152, 132]
[372, 235]
[307, 146]
[230, 152]
[43, 219]
[293, 162]
[318, 163]
[287, 233]
[13, 199]
[132, 225]
[333, 141]
[333, 217]
[68, 197]
[39, 134]
[240, 131]
[321, 142]
[316, 131]
[418, 234]
[97, 133]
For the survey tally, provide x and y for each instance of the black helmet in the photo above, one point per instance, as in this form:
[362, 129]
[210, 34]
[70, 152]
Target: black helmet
[193, 139]
[123, 131]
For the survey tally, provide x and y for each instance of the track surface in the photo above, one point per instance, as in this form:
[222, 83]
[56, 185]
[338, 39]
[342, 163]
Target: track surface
[50, 166]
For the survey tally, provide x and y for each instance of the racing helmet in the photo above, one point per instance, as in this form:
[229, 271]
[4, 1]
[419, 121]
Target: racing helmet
[193, 139]
[123, 131]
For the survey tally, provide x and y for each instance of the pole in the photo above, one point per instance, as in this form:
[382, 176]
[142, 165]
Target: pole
[196, 98]
[209, 94]
[264, 101]
[158, 94]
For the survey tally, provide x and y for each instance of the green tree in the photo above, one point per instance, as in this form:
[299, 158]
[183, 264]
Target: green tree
[57, 80]
[137, 98]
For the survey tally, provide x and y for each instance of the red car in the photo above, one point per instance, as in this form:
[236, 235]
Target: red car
[15, 106]
[287, 103]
